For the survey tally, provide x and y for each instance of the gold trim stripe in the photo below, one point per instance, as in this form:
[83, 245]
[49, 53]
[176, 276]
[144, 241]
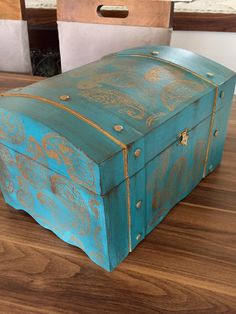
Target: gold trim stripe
[101, 130]
[210, 132]
[125, 154]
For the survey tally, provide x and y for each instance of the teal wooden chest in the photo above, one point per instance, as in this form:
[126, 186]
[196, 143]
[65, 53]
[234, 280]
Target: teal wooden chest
[100, 154]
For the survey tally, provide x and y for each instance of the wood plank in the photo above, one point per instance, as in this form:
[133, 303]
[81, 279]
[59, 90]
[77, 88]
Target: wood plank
[152, 13]
[215, 22]
[11, 9]
[46, 17]
[13, 80]
[14, 308]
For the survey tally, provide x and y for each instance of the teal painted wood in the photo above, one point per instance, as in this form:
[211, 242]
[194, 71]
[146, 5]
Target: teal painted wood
[63, 162]
[72, 212]
[173, 174]
[220, 124]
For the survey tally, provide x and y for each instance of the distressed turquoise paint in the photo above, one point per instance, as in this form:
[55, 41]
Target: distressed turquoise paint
[71, 176]
[35, 140]
[220, 124]
[174, 173]
[73, 213]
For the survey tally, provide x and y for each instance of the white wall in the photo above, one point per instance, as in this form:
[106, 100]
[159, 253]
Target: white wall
[220, 47]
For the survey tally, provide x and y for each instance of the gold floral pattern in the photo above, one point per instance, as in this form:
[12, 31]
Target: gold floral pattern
[111, 79]
[11, 128]
[113, 98]
[73, 202]
[36, 151]
[5, 155]
[6, 161]
[153, 118]
[35, 174]
[93, 204]
[65, 189]
[24, 196]
[163, 72]
[59, 149]
[5, 178]
[178, 92]
[49, 204]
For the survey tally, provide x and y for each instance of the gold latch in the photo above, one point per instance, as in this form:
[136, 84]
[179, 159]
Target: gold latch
[183, 138]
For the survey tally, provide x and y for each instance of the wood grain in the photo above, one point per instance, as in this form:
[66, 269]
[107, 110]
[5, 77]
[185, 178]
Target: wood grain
[14, 80]
[215, 22]
[11, 9]
[46, 17]
[152, 13]
[186, 265]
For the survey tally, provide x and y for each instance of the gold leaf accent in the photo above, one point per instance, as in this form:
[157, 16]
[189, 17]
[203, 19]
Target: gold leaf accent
[152, 119]
[163, 72]
[34, 173]
[6, 182]
[12, 128]
[178, 92]
[58, 148]
[93, 203]
[113, 98]
[36, 151]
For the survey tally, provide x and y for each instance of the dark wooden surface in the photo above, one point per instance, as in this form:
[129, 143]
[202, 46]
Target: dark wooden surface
[193, 21]
[186, 265]
[47, 17]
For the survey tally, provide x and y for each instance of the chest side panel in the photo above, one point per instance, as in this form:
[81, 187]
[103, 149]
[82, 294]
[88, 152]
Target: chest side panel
[73, 213]
[47, 147]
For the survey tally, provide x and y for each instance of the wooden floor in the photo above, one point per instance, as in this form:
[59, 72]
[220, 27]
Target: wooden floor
[186, 265]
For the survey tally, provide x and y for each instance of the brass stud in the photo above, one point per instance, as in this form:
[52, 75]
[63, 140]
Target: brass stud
[222, 94]
[118, 128]
[216, 133]
[209, 74]
[155, 53]
[139, 204]
[137, 153]
[139, 236]
[64, 97]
